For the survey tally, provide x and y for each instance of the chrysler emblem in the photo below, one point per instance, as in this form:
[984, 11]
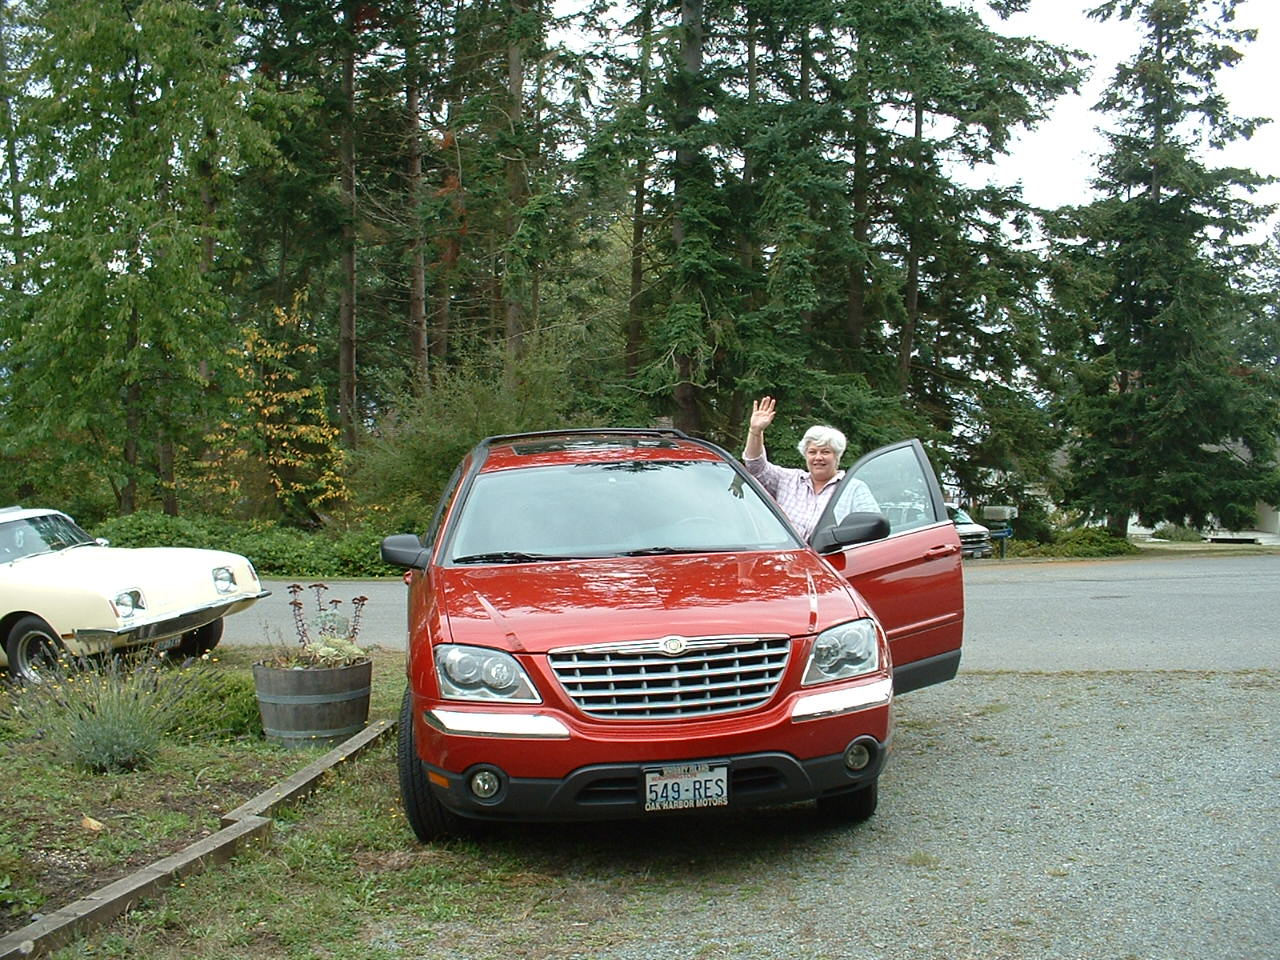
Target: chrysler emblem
[673, 646]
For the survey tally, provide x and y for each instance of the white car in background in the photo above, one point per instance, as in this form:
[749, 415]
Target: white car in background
[975, 539]
[63, 592]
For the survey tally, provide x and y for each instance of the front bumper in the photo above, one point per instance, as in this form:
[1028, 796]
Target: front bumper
[616, 790]
[100, 639]
[552, 767]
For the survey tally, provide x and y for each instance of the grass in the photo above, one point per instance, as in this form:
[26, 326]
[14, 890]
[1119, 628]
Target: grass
[68, 831]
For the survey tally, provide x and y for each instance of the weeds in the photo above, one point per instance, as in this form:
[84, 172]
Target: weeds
[18, 887]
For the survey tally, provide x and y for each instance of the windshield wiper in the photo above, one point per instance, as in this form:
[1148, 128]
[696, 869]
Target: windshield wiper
[510, 556]
[668, 551]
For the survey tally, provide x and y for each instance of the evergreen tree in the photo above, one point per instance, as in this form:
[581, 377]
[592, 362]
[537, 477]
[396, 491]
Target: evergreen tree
[134, 115]
[1165, 420]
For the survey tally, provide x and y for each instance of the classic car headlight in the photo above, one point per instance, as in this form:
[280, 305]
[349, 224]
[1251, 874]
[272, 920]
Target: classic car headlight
[478, 673]
[224, 579]
[849, 650]
[128, 602]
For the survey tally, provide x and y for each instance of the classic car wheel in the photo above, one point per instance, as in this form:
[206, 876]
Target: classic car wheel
[427, 815]
[198, 642]
[855, 806]
[33, 650]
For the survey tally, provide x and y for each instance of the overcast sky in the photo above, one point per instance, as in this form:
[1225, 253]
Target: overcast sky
[1055, 162]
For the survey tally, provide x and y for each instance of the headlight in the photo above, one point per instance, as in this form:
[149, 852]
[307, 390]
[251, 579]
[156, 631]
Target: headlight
[129, 602]
[478, 673]
[224, 579]
[849, 650]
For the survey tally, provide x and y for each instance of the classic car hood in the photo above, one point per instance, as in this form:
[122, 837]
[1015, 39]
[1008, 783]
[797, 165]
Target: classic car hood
[154, 570]
[540, 606]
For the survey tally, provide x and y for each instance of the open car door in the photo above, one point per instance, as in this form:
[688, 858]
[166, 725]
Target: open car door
[911, 578]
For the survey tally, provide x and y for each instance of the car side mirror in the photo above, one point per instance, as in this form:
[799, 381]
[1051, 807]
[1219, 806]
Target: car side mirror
[404, 550]
[855, 528]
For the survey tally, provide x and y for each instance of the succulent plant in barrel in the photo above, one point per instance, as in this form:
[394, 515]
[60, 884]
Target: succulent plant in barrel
[317, 692]
[326, 638]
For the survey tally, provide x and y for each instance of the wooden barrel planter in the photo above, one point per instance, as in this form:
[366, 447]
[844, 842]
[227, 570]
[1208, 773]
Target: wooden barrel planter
[313, 706]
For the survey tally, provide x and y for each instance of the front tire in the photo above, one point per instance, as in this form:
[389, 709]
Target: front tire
[196, 643]
[427, 816]
[854, 806]
[33, 650]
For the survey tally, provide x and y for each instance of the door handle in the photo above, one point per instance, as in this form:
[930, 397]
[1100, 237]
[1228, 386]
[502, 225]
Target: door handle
[943, 551]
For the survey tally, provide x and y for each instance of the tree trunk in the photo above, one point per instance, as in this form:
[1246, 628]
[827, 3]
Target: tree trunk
[127, 496]
[11, 165]
[417, 318]
[856, 308]
[635, 309]
[687, 414]
[514, 287]
[347, 299]
[911, 295]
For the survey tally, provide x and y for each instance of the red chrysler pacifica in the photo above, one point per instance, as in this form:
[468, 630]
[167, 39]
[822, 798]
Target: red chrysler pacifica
[617, 623]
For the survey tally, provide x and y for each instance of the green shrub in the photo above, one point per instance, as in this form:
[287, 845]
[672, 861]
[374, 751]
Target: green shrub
[219, 704]
[276, 551]
[147, 528]
[110, 716]
[1177, 533]
[1083, 543]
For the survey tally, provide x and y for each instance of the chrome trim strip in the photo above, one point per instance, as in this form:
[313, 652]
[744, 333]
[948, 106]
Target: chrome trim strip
[829, 703]
[464, 722]
[655, 645]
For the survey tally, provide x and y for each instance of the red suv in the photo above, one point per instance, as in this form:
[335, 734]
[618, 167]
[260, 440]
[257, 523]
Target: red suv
[616, 623]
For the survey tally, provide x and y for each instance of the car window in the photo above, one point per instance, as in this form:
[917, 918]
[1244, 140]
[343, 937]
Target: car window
[899, 484]
[43, 534]
[589, 510]
[446, 497]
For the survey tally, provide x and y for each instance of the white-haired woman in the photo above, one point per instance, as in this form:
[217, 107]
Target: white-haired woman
[802, 494]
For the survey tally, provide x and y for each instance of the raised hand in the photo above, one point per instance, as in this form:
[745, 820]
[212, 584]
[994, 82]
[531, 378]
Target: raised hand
[762, 412]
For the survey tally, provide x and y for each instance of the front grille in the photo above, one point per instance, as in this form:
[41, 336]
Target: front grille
[638, 681]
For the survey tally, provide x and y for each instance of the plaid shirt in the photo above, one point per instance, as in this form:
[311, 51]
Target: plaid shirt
[793, 489]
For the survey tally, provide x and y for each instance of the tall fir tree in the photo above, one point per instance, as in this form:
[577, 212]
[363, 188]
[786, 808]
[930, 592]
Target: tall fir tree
[1165, 421]
[135, 114]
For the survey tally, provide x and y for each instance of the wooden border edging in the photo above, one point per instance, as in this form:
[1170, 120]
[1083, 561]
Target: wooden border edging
[304, 782]
[248, 823]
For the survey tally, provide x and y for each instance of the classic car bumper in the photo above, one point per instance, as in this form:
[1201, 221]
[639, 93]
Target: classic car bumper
[97, 639]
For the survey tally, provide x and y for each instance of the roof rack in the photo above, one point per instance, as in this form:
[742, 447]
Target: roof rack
[591, 431]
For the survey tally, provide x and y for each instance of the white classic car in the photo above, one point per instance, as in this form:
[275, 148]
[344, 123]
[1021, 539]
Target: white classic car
[62, 590]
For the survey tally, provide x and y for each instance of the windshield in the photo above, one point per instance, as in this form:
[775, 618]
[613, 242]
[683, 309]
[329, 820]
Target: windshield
[44, 534]
[958, 515]
[613, 509]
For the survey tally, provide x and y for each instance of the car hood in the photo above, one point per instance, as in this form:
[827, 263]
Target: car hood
[535, 607]
[112, 569]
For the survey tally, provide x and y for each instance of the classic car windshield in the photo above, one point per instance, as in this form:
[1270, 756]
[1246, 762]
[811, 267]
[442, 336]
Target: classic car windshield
[612, 509]
[42, 534]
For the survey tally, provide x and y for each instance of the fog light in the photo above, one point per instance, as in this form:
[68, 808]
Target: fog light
[857, 756]
[485, 784]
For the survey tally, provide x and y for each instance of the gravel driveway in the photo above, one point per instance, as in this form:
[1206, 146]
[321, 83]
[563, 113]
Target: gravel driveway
[1066, 816]
[1086, 805]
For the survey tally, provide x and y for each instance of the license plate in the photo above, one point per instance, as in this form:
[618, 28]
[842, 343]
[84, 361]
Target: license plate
[168, 643]
[683, 786]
